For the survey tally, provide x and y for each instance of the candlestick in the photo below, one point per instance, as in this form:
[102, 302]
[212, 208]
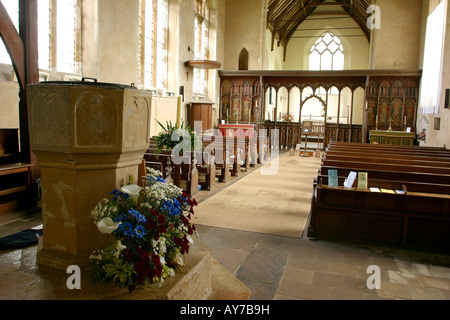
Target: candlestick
[180, 98]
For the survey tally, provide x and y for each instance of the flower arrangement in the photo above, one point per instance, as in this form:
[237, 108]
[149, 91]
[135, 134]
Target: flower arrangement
[422, 136]
[166, 140]
[152, 232]
[288, 117]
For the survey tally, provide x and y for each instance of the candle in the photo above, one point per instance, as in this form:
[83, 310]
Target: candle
[180, 98]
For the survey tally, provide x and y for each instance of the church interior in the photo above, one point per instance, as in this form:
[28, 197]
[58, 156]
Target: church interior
[322, 171]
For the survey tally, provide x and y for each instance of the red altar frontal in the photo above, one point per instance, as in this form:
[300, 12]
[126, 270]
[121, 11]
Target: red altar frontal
[237, 130]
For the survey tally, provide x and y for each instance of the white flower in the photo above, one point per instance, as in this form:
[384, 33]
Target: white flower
[133, 191]
[179, 259]
[107, 226]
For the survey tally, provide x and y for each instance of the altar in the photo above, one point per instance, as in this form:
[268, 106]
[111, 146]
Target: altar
[237, 130]
[402, 138]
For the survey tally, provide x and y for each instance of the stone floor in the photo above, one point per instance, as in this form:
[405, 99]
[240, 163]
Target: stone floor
[279, 268]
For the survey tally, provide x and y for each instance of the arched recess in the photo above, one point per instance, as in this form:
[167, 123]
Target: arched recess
[269, 104]
[243, 59]
[294, 103]
[282, 106]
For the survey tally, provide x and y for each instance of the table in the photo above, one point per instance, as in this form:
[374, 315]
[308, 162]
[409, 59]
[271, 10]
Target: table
[401, 138]
[237, 130]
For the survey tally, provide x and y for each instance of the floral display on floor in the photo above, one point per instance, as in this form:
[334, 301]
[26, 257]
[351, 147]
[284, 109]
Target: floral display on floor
[152, 228]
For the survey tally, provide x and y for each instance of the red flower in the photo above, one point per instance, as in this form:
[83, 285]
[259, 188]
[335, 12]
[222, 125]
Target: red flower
[161, 219]
[162, 229]
[151, 224]
[128, 255]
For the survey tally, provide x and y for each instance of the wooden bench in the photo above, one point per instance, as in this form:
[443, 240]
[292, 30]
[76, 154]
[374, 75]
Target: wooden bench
[184, 175]
[15, 177]
[419, 218]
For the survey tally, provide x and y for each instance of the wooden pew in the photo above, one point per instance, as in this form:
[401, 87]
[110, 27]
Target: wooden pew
[419, 218]
[184, 176]
[414, 220]
[348, 145]
[410, 186]
[390, 149]
[361, 166]
[430, 161]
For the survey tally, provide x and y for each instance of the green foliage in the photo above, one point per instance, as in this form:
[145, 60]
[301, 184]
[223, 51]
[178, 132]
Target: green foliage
[120, 271]
[164, 138]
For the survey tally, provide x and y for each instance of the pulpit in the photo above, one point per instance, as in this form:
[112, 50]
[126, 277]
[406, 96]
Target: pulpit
[201, 112]
[402, 138]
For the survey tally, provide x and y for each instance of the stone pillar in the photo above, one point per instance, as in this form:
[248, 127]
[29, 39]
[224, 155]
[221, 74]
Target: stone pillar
[87, 137]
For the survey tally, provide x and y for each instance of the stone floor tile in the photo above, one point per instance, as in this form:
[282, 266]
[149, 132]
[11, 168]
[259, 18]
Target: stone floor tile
[328, 280]
[394, 290]
[359, 283]
[260, 290]
[300, 275]
[420, 293]
[307, 262]
[412, 267]
[264, 265]
[229, 258]
[384, 263]
[343, 294]
[329, 256]
[15, 282]
[346, 270]
[446, 294]
[370, 297]
[433, 282]
[439, 271]
[285, 298]
[302, 290]
[357, 259]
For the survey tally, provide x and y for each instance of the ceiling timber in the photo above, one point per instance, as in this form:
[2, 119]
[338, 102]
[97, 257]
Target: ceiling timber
[285, 16]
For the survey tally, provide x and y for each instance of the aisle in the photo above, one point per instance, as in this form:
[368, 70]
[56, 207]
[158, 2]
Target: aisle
[271, 204]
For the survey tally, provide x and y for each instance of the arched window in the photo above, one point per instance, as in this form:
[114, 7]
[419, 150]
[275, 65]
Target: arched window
[12, 7]
[327, 53]
[153, 46]
[57, 41]
[243, 59]
[201, 48]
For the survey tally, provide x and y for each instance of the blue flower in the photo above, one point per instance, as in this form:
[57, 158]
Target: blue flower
[127, 229]
[161, 180]
[176, 203]
[139, 232]
[117, 193]
[139, 217]
[120, 218]
[175, 211]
